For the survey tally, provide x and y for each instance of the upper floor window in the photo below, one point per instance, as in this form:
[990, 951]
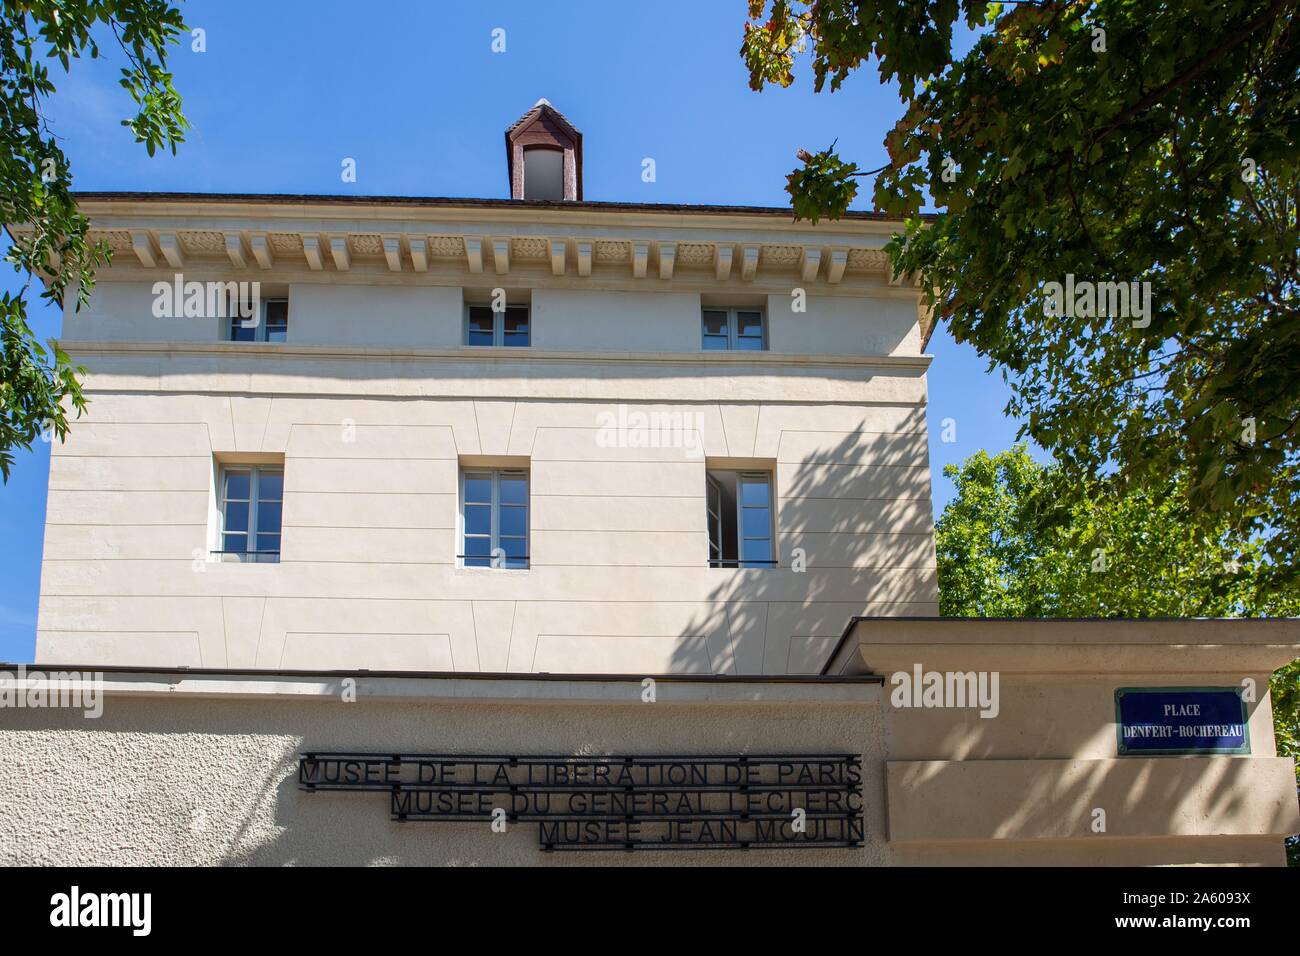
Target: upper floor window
[250, 501]
[741, 329]
[494, 517]
[543, 173]
[510, 327]
[271, 325]
[739, 513]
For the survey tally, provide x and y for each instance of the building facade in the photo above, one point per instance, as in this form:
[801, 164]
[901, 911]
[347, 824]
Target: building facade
[590, 389]
[421, 531]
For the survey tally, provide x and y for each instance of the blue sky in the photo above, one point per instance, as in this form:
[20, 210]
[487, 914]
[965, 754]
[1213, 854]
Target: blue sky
[286, 90]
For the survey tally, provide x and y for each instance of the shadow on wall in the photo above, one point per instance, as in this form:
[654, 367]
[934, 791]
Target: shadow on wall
[856, 517]
[283, 826]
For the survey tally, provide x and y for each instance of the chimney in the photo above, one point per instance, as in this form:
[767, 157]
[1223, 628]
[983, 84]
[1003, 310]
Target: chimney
[544, 155]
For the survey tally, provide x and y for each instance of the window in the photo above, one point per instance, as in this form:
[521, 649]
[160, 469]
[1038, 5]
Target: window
[543, 173]
[739, 512]
[272, 324]
[250, 501]
[509, 327]
[738, 329]
[494, 517]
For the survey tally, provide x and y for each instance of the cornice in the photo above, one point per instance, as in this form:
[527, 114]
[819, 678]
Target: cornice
[501, 355]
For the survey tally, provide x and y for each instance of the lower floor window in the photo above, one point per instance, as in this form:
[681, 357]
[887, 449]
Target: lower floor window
[739, 514]
[494, 518]
[251, 501]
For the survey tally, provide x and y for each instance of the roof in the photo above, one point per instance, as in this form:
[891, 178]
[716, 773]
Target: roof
[304, 199]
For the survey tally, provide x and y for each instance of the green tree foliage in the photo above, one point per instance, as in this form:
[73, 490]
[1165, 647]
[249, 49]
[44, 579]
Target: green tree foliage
[1118, 141]
[38, 383]
[1010, 546]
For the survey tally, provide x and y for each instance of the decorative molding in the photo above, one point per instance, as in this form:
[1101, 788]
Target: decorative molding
[778, 256]
[695, 253]
[419, 253]
[235, 250]
[339, 253]
[501, 256]
[205, 240]
[640, 258]
[119, 240]
[559, 256]
[529, 248]
[722, 261]
[289, 243]
[812, 260]
[667, 258]
[584, 248]
[171, 249]
[612, 251]
[143, 246]
[474, 254]
[867, 260]
[311, 250]
[261, 250]
[748, 262]
[835, 269]
[393, 253]
[446, 247]
[366, 244]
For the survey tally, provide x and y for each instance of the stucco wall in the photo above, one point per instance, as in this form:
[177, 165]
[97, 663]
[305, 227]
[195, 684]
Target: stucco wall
[372, 444]
[202, 770]
[159, 781]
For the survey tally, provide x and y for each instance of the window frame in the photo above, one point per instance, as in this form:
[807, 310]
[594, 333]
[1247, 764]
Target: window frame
[495, 506]
[254, 502]
[498, 326]
[262, 329]
[713, 518]
[733, 328]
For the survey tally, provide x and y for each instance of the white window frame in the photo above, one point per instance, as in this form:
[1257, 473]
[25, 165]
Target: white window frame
[733, 325]
[255, 473]
[494, 535]
[713, 518]
[259, 330]
[498, 326]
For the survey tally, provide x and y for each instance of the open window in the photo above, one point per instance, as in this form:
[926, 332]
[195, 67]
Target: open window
[739, 516]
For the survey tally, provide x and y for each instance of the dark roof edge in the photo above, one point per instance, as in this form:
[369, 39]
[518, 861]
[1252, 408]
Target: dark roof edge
[303, 199]
[445, 675]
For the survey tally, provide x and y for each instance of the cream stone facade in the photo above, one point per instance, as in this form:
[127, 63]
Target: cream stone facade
[363, 622]
[374, 405]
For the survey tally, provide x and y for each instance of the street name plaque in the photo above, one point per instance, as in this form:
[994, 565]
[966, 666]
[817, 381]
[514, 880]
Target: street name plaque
[1158, 721]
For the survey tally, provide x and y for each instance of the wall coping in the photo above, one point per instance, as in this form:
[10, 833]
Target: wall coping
[436, 687]
[1074, 646]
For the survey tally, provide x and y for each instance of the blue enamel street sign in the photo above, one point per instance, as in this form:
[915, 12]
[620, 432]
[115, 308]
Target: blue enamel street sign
[1151, 721]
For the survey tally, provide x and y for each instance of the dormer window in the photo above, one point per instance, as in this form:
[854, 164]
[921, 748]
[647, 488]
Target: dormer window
[544, 156]
[543, 173]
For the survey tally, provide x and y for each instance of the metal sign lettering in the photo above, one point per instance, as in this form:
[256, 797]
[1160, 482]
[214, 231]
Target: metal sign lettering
[1155, 721]
[618, 803]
